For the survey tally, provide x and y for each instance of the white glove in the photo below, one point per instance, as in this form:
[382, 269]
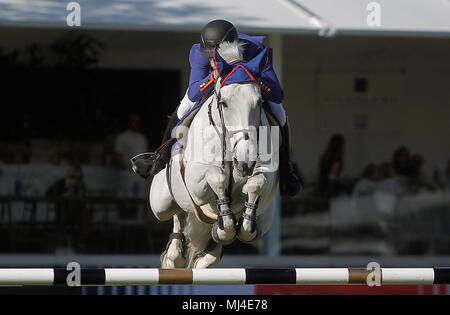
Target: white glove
[185, 105]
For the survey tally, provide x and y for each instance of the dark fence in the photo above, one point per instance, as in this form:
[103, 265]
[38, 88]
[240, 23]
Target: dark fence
[93, 225]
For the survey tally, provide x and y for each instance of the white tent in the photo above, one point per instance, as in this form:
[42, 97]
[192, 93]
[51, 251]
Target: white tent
[320, 17]
[178, 15]
[397, 17]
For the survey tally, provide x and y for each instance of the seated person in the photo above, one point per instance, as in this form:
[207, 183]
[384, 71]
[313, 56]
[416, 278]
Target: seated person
[388, 182]
[367, 184]
[331, 165]
[71, 186]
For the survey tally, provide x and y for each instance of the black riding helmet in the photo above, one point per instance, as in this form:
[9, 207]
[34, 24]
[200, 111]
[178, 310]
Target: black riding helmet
[216, 32]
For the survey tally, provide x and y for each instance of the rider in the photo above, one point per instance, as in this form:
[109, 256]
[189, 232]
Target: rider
[212, 35]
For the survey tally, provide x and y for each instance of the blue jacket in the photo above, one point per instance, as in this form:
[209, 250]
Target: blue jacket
[258, 59]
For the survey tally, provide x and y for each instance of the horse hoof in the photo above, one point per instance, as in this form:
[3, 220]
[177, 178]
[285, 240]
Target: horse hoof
[246, 238]
[173, 256]
[248, 230]
[209, 257]
[217, 239]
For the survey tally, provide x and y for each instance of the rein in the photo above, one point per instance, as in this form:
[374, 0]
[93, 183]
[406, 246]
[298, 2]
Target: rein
[219, 84]
[222, 122]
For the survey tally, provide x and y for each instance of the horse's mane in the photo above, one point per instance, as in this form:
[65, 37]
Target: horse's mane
[232, 52]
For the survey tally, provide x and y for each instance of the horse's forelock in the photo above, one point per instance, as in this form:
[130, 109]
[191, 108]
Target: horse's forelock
[232, 52]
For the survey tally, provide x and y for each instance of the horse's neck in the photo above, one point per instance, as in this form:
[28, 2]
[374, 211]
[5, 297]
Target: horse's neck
[210, 105]
[197, 127]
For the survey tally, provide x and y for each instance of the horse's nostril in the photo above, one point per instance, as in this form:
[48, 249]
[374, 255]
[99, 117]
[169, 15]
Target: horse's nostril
[246, 137]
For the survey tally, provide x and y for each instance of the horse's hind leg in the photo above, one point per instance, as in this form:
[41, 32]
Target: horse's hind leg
[209, 257]
[224, 230]
[161, 200]
[173, 256]
[249, 231]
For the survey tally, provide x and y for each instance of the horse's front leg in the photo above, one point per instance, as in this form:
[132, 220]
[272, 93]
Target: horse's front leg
[248, 229]
[224, 230]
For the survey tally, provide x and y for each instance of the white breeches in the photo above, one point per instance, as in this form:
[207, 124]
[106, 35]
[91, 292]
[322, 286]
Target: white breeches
[277, 109]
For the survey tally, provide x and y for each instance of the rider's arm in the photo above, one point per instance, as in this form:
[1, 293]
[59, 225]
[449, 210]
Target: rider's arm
[200, 74]
[269, 78]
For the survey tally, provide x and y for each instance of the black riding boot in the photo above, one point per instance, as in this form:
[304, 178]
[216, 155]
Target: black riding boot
[290, 181]
[148, 164]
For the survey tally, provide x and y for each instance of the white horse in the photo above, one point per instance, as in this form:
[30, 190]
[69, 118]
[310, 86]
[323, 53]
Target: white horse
[216, 186]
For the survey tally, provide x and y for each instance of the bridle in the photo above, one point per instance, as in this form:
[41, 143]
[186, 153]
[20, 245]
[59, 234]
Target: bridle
[219, 83]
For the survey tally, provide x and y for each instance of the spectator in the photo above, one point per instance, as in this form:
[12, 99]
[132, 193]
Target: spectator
[402, 162]
[417, 163]
[447, 174]
[441, 176]
[70, 186]
[418, 181]
[367, 184]
[70, 212]
[388, 182]
[331, 165]
[130, 142]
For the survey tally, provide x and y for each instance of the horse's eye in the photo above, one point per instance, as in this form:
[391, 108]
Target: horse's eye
[223, 103]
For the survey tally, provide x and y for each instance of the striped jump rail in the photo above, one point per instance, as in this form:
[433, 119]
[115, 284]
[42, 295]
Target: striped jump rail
[222, 276]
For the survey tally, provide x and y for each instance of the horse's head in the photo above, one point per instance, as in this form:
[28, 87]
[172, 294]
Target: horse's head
[241, 105]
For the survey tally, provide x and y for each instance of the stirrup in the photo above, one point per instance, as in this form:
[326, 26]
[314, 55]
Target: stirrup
[142, 163]
[153, 156]
[152, 162]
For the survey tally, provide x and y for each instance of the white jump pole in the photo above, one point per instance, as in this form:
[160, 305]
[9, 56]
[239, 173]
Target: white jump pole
[242, 276]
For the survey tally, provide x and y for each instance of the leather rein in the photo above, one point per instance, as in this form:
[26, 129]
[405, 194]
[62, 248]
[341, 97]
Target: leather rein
[219, 83]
